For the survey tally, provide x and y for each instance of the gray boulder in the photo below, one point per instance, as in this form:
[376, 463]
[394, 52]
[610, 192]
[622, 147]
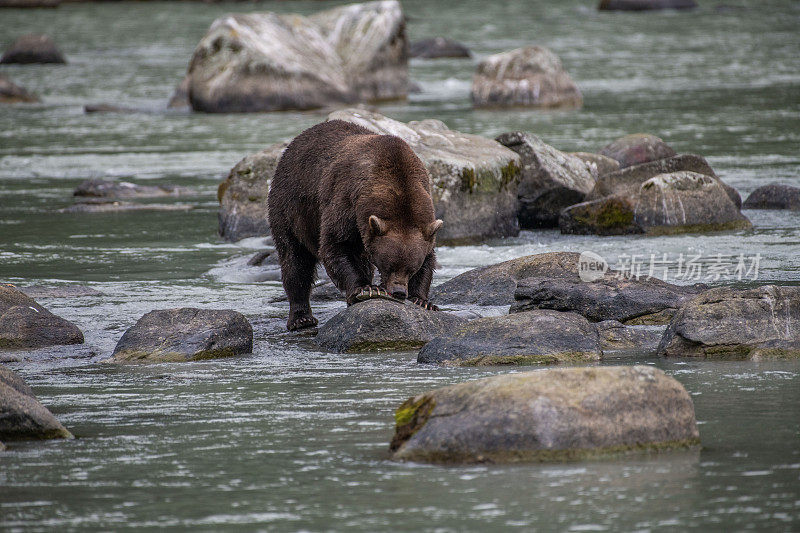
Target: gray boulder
[32, 48]
[95, 188]
[26, 324]
[616, 336]
[627, 181]
[271, 61]
[185, 334]
[599, 165]
[728, 323]
[547, 415]
[680, 202]
[496, 284]
[645, 5]
[774, 196]
[532, 76]
[437, 47]
[645, 300]
[11, 93]
[381, 325]
[532, 338]
[551, 180]
[637, 148]
[21, 414]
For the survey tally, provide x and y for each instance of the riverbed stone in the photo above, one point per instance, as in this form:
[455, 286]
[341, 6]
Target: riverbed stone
[547, 415]
[531, 338]
[645, 300]
[32, 48]
[22, 416]
[11, 93]
[474, 180]
[645, 5]
[731, 323]
[380, 325]
[616, 336]
[26, 324]
[270, 61]
[774, 196]
[437, 47]
[495, 284]
[627, 181]
[532, 76]
[551, 180]
[185, 334]
[679, 202]
[97, 188]
[637, 148]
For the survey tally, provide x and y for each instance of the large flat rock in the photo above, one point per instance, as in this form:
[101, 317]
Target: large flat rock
[554, 414]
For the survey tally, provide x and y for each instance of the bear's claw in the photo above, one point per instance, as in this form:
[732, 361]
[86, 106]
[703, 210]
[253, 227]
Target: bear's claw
[302, 322]
[369, 292]
[425, 304]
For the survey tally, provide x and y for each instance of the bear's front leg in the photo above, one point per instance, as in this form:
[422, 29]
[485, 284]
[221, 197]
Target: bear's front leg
[420, 284]
[351, 272]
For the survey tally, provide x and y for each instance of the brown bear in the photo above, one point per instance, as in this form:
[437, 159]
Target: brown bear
[355, 201]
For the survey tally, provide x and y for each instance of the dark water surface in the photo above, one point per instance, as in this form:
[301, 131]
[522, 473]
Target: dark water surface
[292, 439]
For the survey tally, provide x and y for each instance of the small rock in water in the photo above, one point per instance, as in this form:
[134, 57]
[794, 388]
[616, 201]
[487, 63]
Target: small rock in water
[637, 148]
[531, 338]
[112, 206]
[26, 324]
[547, 415]
[32, 48]
[532, 76]
[185, 334]
[437, 47]
[21, 414]
[645, 5]
[774, 196]
[729, 323]
[11, 93]
[382, 325]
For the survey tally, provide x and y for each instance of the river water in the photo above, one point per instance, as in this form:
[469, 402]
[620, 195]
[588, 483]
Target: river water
[294, 439]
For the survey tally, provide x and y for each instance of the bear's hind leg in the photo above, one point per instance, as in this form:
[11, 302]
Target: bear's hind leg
[298, 269]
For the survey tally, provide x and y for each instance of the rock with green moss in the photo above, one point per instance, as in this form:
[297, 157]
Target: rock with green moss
[645, 300]
[547, 415]
[530, 338]
[383, 325]
[551, 180]
[679, 202]
[26, 324]
[729, 323]
[22, 416]
[243, 195]
[271, 61]
[532, 76]
[496, 284]
[637, 148]
[185, 334]
[474, 180]
[626, 181]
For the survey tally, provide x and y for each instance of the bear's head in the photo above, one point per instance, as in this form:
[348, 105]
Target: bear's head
[398, 250]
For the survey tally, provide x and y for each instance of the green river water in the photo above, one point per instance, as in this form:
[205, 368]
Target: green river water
[290, 438]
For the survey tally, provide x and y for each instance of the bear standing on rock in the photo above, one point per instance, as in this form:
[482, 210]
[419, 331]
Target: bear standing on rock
[354, 200]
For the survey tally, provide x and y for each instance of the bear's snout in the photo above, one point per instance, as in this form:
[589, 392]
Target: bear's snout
[400, 294]
[397, 286]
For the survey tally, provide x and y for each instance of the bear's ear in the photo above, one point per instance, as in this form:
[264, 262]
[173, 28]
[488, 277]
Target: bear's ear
[432, 228]
[377, 226]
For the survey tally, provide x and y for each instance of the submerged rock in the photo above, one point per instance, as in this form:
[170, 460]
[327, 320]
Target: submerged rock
[380, 325]
[26, 324]
[21, 414]
[680, 202]
[774, 196]
[530, 76]
[496, 284]
[185, 334]
[11, 93]
[645, 300]
[62, 291]
[554, 414]
[437, 47]
[645, 5]
[29, 3]
[637, 148]
[532, 338]
[728, 323]
[551, 180]
[615, 335]
[113, 206]
[32, 48]
[271, 61]
[94, 188]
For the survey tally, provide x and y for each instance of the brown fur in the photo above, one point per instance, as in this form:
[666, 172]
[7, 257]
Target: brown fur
[355, 201]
